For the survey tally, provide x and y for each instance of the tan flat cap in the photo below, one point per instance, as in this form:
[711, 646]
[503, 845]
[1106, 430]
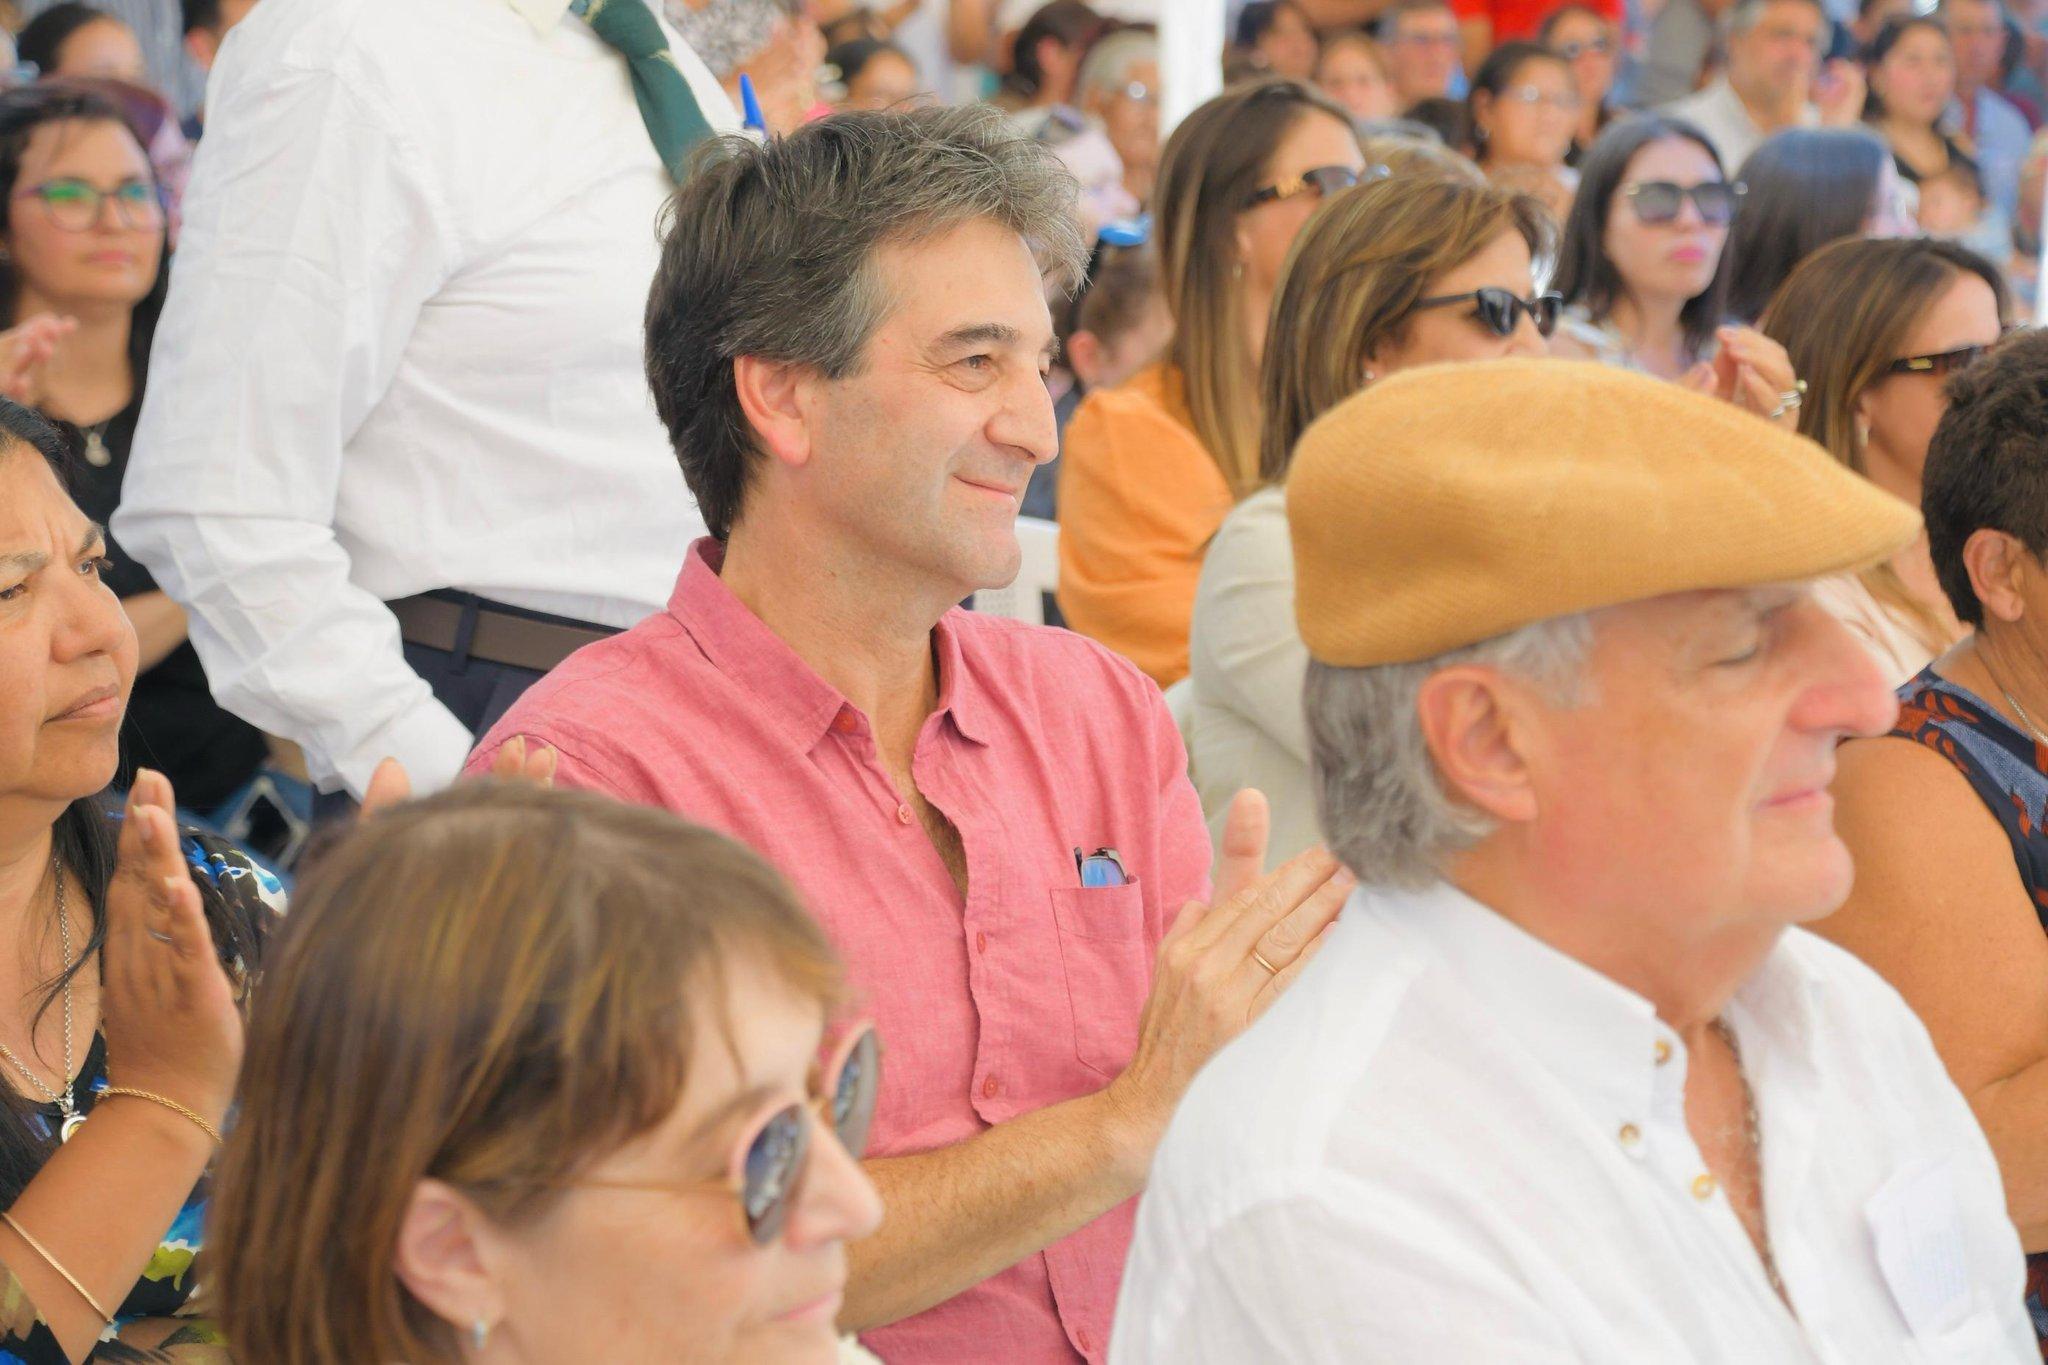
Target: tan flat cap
[1450, 504]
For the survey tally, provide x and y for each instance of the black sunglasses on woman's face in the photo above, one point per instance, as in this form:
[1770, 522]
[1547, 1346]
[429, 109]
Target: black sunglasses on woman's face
[1500, 310]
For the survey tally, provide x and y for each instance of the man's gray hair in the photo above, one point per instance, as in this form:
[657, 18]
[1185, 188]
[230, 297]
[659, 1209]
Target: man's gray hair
[769, 251]
[1384, 810]
[1745, 14]
[1107, 67]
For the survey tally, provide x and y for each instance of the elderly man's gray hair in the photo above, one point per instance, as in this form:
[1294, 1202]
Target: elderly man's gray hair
[1384, 810]
[1744, 16]
[1107, 67]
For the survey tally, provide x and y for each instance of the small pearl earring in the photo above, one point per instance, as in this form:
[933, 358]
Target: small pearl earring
[479, 1334]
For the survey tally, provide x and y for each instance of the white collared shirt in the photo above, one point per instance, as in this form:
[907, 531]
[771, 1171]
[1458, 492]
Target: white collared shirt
[402, 352]
[1720, 113]
[1450, 1142]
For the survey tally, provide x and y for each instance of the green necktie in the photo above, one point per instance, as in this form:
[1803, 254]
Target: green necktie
[674, 120]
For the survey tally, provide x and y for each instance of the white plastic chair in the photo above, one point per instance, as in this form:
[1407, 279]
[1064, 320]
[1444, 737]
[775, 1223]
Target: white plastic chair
[1024, 598]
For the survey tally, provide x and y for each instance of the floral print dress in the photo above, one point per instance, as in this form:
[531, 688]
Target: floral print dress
[232, 885]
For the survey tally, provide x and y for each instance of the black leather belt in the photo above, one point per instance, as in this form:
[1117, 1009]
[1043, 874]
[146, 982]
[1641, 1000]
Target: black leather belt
[472, 627]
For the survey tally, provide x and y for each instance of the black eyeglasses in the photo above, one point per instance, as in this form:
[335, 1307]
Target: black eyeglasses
[1318, 180]
[1659, 201]
[1941, 364]
[1500, 310]
[1571, 52]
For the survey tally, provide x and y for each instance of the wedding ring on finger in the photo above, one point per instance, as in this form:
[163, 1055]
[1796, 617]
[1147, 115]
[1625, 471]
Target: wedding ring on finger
[1790, 400]
[1259, 958]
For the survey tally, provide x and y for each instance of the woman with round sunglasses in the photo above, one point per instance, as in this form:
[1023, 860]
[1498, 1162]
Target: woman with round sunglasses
[540, 1077]
[1590, 45]
[1151, 466]
[1877, 328]
[1642, 267]
[1525, 106]
[1418, 269]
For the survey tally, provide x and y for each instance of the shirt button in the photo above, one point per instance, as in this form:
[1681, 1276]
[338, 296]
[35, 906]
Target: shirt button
[989, 1088]
[1631, 1136]
[1663, 1052]
[1703, 1186]
[845, 724]
[981, 943]
[903, 814]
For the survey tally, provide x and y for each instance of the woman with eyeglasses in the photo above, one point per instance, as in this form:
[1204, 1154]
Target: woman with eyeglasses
[83, 269]
[1590, 45]
[1422, 268]
[1151, 465]
[538, 1077]
[1943, 815]
[1525, 107]
[1642, 269]
[1877, 328]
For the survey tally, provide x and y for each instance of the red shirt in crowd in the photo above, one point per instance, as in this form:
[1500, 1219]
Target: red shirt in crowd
[1025, 993]
[1518, 20]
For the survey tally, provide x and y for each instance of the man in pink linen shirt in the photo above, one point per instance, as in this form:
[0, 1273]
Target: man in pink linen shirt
[847, 339]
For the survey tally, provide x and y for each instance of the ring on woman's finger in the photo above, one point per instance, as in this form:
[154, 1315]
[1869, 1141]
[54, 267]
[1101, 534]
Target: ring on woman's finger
[160, 938]
[1259, 958]
[1790, 400]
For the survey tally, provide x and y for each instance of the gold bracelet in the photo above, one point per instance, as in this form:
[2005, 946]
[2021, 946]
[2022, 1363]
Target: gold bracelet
[167, 1103]
[51, 1261]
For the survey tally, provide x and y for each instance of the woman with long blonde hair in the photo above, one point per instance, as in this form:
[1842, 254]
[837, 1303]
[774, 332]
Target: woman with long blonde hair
[1150, 467]
[1424, 268]
[1876, 328]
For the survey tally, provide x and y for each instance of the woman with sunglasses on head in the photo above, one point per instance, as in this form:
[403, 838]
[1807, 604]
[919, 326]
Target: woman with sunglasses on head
[1525, 106]
[1590, 45]
[1151, 465]
[1877, 328]
[1418, 269]
[1642, 267]
[84, 272]
[540, 1077]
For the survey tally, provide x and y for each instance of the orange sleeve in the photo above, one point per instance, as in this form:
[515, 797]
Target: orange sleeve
[1139, 500]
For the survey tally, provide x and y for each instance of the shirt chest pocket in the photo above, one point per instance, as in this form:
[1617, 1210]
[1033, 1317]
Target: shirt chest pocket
[1107, 960]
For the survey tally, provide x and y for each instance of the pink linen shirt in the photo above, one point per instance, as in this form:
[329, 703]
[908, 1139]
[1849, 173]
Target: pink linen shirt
[1025, 993]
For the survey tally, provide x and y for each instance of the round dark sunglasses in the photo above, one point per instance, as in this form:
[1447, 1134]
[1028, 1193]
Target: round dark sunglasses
[1500, 310]
[1660, 201]
[1319, 180]
[773, 1158]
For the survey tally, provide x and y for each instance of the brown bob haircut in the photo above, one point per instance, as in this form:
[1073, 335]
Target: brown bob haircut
[1352, 281]
[493, 987]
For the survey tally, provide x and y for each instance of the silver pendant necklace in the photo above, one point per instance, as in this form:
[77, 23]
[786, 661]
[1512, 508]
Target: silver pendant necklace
[96, 453]
[67, 1107]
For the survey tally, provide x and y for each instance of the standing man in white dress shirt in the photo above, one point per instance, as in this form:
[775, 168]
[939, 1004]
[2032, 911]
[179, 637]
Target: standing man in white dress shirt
[1566, 1082]
[397, 390]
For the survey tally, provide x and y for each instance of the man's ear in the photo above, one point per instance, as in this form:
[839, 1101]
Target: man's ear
[1469, 716]
[773, 394]
[2000, 567]
[442, 1257]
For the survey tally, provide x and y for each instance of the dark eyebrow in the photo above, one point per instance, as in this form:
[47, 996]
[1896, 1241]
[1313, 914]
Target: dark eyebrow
[980, 334]
[28, 561]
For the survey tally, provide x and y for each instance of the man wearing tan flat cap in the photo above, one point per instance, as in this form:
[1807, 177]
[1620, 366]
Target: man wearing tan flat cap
[1566, 1081]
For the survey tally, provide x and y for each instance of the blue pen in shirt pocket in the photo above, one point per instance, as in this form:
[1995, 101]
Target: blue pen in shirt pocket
[1103, 867]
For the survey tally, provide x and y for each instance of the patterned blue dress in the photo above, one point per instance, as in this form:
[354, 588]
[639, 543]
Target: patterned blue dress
[2009, 773]
[231, 884]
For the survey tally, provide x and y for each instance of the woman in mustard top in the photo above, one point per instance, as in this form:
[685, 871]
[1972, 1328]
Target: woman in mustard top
[1149, 468]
